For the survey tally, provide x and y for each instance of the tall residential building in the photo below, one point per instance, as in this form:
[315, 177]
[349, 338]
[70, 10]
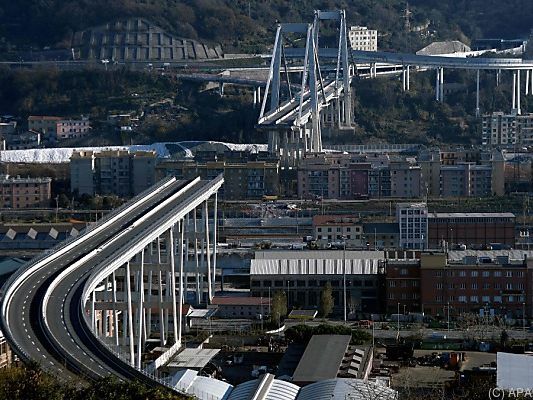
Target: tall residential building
[507, 129]
[462, 173]
[362, 38]
[245, 176]
[355, 176]
[412, 219]
[118, 173]
[17, 192]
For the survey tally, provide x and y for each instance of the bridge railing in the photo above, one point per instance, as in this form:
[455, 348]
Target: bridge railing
[155, 229]
[42, 260]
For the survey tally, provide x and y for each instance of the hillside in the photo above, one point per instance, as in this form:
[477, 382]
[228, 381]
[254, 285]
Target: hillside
[247, 25]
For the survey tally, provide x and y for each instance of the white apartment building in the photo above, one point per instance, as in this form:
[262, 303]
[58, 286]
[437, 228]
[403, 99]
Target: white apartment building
[507, 129]
[362, 38]
[412, 219]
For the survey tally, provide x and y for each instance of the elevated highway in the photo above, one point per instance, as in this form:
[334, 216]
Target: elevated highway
[43, 312]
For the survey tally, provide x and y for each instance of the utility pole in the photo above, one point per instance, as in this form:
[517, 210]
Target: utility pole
[57, 206]
[344, 276]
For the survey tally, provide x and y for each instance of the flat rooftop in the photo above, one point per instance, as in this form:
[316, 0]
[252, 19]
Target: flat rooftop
[192, 358]
[322, 358]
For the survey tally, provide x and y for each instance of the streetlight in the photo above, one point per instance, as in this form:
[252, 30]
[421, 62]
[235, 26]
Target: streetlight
[448, 318]
[524, 316]
[398, 335]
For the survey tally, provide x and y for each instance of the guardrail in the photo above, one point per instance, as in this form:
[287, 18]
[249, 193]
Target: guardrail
[41, 261]
[155, 229]
[71, 268]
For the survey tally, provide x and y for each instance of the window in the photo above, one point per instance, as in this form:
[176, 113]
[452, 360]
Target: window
[439, 285]
[497, 274]
[486, 274]
[392, 284]
[474, 299]
[497, 299]
[462, 299]
[474, 274]
[474, 285]
[485, 299]
[403, 271]
[508, 274]
[462, 273]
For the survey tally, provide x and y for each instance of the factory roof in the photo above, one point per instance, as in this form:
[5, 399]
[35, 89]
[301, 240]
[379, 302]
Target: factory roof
[317, 364]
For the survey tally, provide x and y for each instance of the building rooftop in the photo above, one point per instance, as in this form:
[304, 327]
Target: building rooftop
[470, 215]
[513, 255]
[446, 47]
[337, 220]
[240, 301]
[317, 364]
[317, 266]
[192, 358]
[342, 389]
[266, 387]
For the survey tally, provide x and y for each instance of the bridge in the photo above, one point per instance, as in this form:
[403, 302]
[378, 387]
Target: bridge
[294, 125]
[88, 307]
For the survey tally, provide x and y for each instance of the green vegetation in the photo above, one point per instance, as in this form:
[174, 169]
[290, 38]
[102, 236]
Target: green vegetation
[301, 334]
[248, 24]
[326, 301]
[278, 309]
[30, 382]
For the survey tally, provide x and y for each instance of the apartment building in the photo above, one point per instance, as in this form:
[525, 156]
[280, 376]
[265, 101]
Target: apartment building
[355, 176]
[362, 38]
[412, 219]
[58, 128]
[245, 177]
[500, 129]
[462, 173]
[17, 192]
[120, 173]
[338, 229]
[72, 129]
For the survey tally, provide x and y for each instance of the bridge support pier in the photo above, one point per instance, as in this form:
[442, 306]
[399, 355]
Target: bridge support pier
[477, 94]
[516, 93]
[406, 78]
[439, 87]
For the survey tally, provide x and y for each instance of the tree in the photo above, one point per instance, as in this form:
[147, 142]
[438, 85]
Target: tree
[278, 306]
[326, 301]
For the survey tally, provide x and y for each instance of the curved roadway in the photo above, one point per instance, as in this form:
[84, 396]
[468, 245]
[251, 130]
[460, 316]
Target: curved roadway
[73, 337]
[22, 316]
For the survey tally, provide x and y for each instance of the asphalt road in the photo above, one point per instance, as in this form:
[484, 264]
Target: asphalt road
[72, 336]
[24, 317]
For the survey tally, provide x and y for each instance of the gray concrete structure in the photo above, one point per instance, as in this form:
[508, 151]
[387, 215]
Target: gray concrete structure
[136, 39]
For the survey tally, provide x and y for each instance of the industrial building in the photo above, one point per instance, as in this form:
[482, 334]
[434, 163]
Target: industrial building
[471, 229]
[303, 274]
